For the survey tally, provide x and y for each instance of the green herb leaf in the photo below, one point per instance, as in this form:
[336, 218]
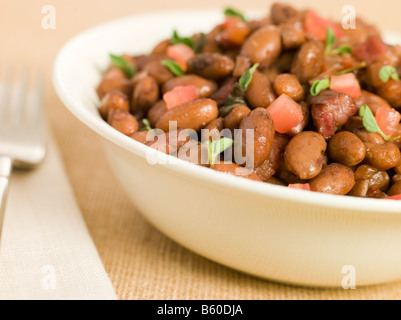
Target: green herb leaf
[236, 98]
[176, 39]
[330, 40]
[370, 124]
[122, 64]
[174, 67]
[146, 124]
[234, 13]
[319, 85]
[342, 49]
[388, 72]
[217, 147]
[246, 78]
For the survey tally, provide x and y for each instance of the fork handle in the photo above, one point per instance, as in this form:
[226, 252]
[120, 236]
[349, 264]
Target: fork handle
[6, 164]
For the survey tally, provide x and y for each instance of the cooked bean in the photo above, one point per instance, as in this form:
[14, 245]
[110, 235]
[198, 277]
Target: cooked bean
[282, 13]
[360, 189]
[372, 77]
[375, 178]
[292, 34]
[285, 175]
[193, 115]
[138, 77]
[113, 100]
[215, 124]
[269, 167]
[161, 48]
[211, 45]
[391, 91]
[142, 60]
[114, 80]
[330, 110]
[215, 127]
[372, 100]
[234, 118]
[195, 153]
[309, 60]
[346, 148]
[234, 32]
[263, 46]
[395, 178]
[205, 87]
[280, 142]
[159, 72]
[334, 179]
[139, 136]
[397, 133]
[382, 156]
[146, 94]
[395, 189]
[211, 65]
[157, 110]
[370, 137]
[398, 167]
[170, 142]
[260, 92]
[353, 123]
[235, 170]
[376, 194]
[123, 121]
[262, 125]
[288, 84]
[242, 64]
[276, 182]
[305, 121]
[304, 154]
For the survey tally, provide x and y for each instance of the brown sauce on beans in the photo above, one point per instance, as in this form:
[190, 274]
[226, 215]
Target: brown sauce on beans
[300, 134]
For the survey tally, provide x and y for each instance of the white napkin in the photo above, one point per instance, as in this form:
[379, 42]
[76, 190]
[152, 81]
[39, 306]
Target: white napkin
[46, 251]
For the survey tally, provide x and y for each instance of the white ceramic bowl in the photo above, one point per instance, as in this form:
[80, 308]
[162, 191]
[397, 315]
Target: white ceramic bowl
[285, 235]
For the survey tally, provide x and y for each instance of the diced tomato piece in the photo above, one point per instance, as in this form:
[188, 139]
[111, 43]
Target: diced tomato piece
[286, 113]
[180, 95]
[371, 50]
[346, 83]
[300, 186]
[397, 197]
[181, 53]
[316, 26]
[234, 30]
[387, 119]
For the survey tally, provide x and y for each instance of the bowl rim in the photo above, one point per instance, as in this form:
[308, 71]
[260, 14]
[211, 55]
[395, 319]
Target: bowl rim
[206, 175]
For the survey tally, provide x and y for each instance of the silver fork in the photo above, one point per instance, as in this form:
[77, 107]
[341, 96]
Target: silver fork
[22, 129]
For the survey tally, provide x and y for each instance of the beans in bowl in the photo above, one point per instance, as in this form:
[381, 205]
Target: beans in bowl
[292, 99]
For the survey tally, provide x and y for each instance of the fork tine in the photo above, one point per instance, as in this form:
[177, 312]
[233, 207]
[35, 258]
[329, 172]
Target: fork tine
[18, 97]
[35, 102]
[5, 92]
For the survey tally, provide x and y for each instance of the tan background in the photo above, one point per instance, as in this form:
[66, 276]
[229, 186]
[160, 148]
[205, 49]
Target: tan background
[141, 262]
